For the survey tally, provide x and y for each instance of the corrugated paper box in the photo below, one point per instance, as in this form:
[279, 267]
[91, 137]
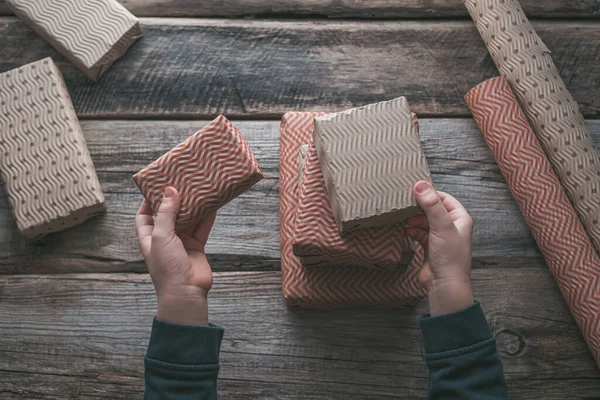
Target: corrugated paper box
[92, 34]
[44, 161]
[371, 157]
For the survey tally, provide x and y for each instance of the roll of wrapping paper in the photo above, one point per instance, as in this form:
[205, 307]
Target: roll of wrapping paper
[558, 232]
[524, 60]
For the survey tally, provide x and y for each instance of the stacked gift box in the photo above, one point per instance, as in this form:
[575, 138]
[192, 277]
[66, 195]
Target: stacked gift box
[346, 190]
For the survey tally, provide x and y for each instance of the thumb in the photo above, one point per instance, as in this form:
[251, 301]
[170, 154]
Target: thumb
[164, 226]
[429, 199]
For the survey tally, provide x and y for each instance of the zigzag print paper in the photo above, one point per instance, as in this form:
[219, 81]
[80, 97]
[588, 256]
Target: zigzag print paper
[558, 232]
[48, 173]
[318, 242]
[209, 169]
[524, 60]
[92, 34]
[371, 158]
[329, 287]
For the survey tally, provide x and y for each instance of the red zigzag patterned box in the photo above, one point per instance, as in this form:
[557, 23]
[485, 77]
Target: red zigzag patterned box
[209, 169]
[328, 287]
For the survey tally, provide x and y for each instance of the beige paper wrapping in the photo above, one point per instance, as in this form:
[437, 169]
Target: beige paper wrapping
[302, 154]
[371, 157]
[92, 34]
[524, 60]
[49, 176]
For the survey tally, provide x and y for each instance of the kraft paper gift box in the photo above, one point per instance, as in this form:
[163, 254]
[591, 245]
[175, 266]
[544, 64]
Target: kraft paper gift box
[209, 169]
[44, 161]
[92, 34]
[371, 157]
[317, 241]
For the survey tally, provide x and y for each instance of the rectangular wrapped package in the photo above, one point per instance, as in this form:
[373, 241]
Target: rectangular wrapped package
[318, 242]
[209, 169]
[330, 287]
[371, 158]
[44, 161]
[92, 34]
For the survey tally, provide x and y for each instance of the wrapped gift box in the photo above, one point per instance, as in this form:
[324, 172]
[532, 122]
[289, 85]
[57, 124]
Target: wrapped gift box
[49, 176]
[209, 169]
[318, 242]
[92, 34]
[329, 287]
[371, 158]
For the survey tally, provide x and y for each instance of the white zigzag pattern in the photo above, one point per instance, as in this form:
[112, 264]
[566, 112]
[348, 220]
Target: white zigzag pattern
[547, 210]
[209, 169]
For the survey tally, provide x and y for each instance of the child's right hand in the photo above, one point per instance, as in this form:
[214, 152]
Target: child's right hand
[445, 232]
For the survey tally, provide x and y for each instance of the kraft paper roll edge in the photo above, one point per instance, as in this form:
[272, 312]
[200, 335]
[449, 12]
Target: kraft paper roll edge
[568, 250]
[524, 60]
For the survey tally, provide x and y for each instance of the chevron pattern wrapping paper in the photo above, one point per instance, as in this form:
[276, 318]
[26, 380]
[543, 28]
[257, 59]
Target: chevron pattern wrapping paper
[330, 287]
[318, 242]
[92, 34]
[558, 232]
[524, 60]
[371, 158]
[44, 161]
[209, 169]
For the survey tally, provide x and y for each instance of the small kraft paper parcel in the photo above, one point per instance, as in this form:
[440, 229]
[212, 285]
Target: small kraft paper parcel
[371, 158]
[44, 161]
[92, 34]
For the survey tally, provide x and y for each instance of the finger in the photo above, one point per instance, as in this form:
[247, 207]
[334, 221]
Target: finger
[418, 234]
[143, 218]
[432, 204]
[203, 229]
[144, 224]
[164, 226]
[457, 211]
[418, 221]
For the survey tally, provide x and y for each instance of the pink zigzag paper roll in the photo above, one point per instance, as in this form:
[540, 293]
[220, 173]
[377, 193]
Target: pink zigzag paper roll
[556, 228]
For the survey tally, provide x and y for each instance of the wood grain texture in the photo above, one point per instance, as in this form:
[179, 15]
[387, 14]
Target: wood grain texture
[193, 69]
[246, 233]
[341, 8]
[84, 336]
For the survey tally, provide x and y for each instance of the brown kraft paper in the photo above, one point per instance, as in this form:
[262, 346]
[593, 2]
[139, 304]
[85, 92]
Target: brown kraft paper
[44, 161]
[92, 34]
[371, 158]
[526, 63]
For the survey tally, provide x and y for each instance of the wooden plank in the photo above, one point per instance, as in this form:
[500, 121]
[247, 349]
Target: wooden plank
[341, 8]
[76, 336]
[246, 234]
[194, 69]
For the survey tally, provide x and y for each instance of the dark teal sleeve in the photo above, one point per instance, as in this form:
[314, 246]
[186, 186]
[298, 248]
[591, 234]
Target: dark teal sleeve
[460, 351]
[182, 362]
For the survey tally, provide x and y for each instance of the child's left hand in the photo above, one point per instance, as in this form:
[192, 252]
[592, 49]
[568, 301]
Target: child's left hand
[177, 263]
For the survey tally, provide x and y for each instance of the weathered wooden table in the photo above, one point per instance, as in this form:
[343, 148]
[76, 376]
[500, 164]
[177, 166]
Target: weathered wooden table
[76, 307]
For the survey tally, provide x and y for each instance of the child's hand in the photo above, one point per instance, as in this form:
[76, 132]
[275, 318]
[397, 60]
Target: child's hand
[445, 232]
[177, 264]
